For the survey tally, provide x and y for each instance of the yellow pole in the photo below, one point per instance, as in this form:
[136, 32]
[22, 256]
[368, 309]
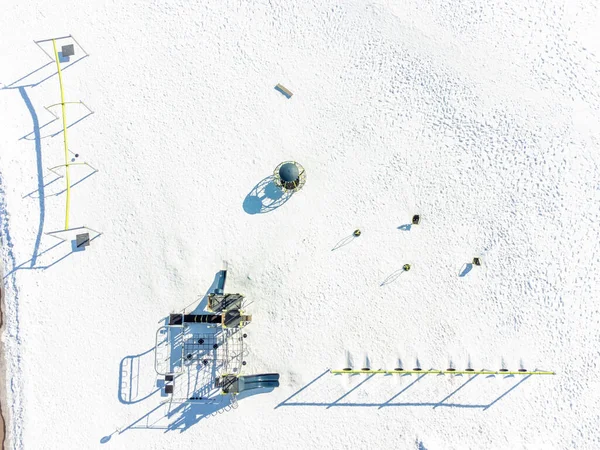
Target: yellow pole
[443, 372]
[64, 120]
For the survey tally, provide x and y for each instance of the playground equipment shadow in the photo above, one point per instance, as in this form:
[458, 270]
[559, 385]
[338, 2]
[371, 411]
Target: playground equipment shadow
[45, 184]
[465, 269]
[43, 76]
[345, 241]
[40, 174]
[59, 190]
[391, 403]
[129, 378]
[203, 303]
[49, 251]
[181, 416]
[191, 413]
[74, 184]
[392, 277]
[56, 133]
[264, 197]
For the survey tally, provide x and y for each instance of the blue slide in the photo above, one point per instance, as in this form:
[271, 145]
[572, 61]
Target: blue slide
[265, 380]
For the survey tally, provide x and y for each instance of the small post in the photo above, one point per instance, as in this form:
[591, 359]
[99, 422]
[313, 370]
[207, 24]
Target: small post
[416, 219]
[476, 261]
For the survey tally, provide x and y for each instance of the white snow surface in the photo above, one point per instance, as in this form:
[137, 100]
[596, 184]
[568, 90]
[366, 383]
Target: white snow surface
[481, 116]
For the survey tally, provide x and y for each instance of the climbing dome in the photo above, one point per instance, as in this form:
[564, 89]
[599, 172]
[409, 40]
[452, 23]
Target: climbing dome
[289, 176]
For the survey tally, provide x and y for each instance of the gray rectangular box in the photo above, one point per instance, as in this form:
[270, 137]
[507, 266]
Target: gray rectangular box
[68, 50]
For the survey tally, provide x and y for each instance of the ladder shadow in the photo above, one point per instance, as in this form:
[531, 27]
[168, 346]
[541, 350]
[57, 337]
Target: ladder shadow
[344, 241]
[387, 403]
[14, 84]
[390, 403]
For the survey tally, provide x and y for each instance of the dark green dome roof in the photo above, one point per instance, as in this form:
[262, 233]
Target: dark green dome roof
[289, 172]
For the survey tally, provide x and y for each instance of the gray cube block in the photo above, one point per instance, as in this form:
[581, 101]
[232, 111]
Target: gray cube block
[82, 240]
[68, 50]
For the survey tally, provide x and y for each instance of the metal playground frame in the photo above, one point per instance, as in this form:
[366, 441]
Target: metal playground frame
[193, 351]
[67, 164]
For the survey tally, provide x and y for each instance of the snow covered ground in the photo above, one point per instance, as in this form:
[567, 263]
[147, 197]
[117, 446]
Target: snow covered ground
[482, 117]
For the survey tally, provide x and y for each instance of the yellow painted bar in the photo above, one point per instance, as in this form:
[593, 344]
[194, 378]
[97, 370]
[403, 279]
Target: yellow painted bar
[64, 120]
[443, 372]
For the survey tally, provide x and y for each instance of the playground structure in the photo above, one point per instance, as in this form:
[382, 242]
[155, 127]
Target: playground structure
[201, 356]
[227, 319]
[69, 49]
[366, 369]
[289, 176]
[449, 371]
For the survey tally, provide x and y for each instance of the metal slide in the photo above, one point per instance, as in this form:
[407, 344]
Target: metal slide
[266, 380]
[235, 385]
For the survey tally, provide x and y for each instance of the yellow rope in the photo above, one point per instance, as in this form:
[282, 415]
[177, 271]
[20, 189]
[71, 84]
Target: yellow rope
[64, 120]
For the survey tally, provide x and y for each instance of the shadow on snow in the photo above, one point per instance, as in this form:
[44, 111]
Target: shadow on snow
[265, 197]
[391, 403]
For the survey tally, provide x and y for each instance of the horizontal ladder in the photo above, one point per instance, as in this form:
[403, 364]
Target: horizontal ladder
[444, 372]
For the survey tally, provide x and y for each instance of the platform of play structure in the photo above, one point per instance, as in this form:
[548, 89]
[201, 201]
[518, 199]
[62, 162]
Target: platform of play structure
[228, 319]
[202, 355]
